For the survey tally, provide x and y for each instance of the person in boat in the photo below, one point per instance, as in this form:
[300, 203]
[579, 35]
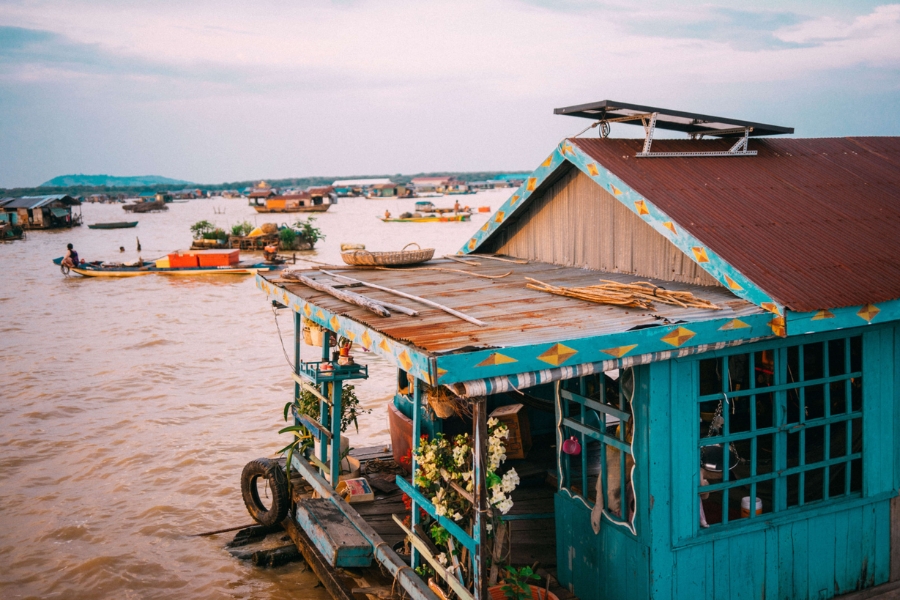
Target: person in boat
[387, 214]
[456, 207]
[71, 258]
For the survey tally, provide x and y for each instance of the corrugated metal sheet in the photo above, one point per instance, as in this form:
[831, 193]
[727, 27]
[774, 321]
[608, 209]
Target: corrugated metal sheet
[813, 222]
[30, 202]
[578, 223]
[515, 314]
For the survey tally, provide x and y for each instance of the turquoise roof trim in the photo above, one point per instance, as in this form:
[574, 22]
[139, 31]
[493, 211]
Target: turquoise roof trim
[842, 318]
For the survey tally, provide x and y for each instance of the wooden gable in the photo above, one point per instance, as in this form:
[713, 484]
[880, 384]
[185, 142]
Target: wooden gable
[576, 222]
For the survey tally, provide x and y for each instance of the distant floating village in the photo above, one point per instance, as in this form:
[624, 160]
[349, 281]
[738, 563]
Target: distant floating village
[56, 211]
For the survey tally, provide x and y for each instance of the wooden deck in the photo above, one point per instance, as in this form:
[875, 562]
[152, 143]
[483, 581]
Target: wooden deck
[532, 540]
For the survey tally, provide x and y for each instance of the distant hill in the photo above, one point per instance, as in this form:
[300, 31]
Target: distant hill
[111, 181]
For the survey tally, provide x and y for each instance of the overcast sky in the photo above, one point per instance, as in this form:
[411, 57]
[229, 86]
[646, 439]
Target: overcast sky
[233, 90]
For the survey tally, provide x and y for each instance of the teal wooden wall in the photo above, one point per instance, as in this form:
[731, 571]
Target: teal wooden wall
[819, 551]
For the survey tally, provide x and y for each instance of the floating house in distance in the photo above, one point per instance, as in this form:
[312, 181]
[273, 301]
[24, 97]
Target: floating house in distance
[388, 190]
[438, 185]
[42, 212]
[731, 431]
[357, 187]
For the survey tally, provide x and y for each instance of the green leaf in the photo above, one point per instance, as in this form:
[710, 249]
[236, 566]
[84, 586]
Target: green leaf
[287, 408]
[293, 428]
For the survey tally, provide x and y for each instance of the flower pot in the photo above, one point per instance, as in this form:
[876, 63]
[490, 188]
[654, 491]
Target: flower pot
[537, 593]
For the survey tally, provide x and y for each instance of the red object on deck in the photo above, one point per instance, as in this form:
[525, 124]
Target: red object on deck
[217, 258]
[178, 260]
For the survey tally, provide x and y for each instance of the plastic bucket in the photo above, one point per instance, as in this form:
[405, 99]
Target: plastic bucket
[745, 507]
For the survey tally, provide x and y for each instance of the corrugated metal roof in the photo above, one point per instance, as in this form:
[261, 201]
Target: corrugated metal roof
[30, 202]
[514, 314]
[813, 222]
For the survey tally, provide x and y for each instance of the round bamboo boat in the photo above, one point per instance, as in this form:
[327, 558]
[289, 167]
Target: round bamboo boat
[364, 258]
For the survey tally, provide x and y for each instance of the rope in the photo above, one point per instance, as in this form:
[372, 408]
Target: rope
[281, 339]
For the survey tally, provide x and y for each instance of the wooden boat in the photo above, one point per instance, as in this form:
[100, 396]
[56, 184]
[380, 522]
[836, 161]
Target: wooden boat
[114, 225]
[362, 257]
[429, 219]
[293, 209]
[102, 269]
[142, 207]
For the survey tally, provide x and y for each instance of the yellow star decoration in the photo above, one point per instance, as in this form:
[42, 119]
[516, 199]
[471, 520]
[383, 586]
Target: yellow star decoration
[700, 254]
[350, 335]
[320, 314]
[777, 325]
[733, 324]
[532, 181]
[557, 355]
[499, 217]
[472, 243]
[366, 340]
[615, 190]
[425, 377]
[335, 324]
[307, 309]
[732, 283]
[641, 207]
[620, 351]
[486, 225]
[670, 226]
[285, 296]
[384, 345]
[678, 336]
[868, 312]
[771, 307]
[441, 372]
[513, 200]
[296, 307]
[592, 169]
[567, 149]
[496, 359]
[823, 314]
[405, 362]
[547, 161]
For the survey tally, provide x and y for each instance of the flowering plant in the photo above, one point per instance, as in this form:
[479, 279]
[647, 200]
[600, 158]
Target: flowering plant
[444, 461]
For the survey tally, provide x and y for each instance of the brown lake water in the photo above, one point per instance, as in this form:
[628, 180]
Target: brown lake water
[128, 407]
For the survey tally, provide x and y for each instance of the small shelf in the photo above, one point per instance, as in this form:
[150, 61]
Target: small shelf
[314, 373]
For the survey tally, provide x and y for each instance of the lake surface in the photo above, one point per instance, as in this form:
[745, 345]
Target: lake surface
[128, 407]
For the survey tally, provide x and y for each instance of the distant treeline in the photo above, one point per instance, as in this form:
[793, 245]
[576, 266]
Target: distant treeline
[295, 182]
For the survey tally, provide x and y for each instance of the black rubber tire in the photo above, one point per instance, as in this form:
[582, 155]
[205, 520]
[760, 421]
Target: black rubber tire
[274, 474]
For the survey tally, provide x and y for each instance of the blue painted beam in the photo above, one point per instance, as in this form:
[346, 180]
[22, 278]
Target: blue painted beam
[483, 364]
[422, 502]
[842, 318]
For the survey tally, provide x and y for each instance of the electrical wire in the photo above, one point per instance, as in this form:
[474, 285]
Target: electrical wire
[281, 339]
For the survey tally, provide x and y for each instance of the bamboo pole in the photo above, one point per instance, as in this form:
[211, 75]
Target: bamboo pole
[349, 297]
[424, 301]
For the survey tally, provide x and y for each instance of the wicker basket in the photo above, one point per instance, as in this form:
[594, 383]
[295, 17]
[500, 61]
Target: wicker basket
[364, 258]
[443, 403]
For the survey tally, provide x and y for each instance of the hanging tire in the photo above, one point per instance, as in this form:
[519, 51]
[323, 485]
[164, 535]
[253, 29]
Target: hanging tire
[272, 472]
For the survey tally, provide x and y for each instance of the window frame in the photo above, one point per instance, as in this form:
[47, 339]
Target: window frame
[686, 529]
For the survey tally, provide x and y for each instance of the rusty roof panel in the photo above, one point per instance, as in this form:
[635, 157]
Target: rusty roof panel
[813, 222]
[515, 314]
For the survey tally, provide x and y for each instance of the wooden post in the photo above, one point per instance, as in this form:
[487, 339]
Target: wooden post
[336, 389]
[298, 336]
[479, 426]
[416, 437]
[324, 414]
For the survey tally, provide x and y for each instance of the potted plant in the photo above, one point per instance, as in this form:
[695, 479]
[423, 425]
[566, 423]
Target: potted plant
[516, 586]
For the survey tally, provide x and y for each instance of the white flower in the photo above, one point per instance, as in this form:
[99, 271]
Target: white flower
[489, 527]
[492, 421]
[442, 558]
[510, 480]
[504, 506]
[457, 517]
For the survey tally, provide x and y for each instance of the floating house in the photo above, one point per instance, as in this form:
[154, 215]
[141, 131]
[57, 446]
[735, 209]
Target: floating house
[294, 202]
[439, 185]
[387, 190]
[357, 187]
[43, 212]
[741, 442]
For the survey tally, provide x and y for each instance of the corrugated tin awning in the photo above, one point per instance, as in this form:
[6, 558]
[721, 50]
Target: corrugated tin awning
[60, 212]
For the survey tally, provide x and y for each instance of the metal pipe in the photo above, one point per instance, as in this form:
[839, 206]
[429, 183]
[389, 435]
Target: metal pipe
[398, 569]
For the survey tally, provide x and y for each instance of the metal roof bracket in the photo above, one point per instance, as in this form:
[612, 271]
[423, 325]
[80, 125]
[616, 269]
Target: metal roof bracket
[738, 149]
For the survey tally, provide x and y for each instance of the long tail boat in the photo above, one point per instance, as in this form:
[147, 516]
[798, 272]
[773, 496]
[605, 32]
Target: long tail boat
[114, 225]
[164, 266]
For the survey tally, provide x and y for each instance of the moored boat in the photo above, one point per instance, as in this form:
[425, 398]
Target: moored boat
[427, 219]
[114, 225]
[190, 262]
